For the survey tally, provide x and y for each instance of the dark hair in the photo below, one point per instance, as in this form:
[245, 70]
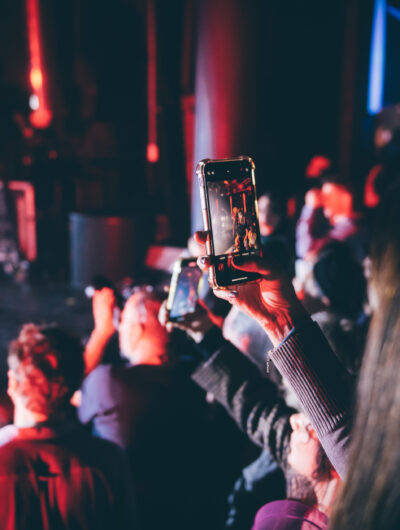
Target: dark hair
[48, 365]
[370, 498]
[341, 279]
[324, 467]
[277, 203]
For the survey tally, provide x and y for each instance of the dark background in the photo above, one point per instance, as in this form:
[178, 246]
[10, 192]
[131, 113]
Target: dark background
[288, 78]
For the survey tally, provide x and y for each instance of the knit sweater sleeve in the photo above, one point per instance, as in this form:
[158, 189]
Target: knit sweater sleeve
[321, 384]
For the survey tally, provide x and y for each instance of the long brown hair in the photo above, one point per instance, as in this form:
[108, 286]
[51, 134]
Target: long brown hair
[370, 498]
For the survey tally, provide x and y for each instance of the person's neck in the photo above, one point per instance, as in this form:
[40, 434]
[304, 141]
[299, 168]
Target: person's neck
[326, 492]
[24, 417]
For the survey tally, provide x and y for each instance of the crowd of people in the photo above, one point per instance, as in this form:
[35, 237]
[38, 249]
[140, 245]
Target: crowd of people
[124, 431]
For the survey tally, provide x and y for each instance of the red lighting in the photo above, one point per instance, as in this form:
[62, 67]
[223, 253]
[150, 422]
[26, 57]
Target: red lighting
[27, 132]
[317, 165]
[41, 117]
[152, 147]
[371, 198]
[36, 78]
[291, 207]
[153, 153]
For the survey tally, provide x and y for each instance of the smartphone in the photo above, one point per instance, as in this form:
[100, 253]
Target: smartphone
[184, 289]
[230, 215]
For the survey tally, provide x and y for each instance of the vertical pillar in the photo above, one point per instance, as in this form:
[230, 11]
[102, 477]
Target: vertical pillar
[225, 87]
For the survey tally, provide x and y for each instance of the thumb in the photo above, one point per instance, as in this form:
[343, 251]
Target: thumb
[250, 265]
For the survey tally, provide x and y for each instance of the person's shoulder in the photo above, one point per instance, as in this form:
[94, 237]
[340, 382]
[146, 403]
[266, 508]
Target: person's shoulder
[103, 375]
[7, 434]
[101, 371]
[12, 456]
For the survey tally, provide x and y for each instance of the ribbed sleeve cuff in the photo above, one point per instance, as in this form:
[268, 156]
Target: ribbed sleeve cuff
[306, 360]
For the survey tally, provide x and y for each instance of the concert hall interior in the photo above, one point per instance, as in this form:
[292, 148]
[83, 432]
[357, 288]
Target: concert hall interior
[257, 385]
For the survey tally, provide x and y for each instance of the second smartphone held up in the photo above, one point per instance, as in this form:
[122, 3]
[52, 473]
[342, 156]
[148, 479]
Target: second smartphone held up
[230, 215]
[184, 289]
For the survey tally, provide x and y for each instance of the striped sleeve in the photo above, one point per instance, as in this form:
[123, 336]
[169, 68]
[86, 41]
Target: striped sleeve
[321, 384]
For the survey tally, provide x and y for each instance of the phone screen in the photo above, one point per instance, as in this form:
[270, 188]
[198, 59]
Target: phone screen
[187, 289]
[233, 215]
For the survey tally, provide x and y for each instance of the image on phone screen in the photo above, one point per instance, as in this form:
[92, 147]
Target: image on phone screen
[232, 210]
[186, 293]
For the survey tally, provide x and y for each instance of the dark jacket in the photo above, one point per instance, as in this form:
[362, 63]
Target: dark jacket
[252, 400]
[60, 477]
[159, 417]
[255, 404]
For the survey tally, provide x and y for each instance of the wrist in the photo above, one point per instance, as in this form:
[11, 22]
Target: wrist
[279, 327]
[104, 331]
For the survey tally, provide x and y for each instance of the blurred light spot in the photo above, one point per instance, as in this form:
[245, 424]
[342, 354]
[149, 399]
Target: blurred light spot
[33, 102]
[153, 153]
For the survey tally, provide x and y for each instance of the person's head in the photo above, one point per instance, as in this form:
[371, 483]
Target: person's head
[271, 212]
[306, 455]
[142, 339]
[45, 369]
[371, 497]
[337, 201]
[340, 279]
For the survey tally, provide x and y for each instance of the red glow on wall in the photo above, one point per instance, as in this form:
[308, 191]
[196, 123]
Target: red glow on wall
[42, 116]
[152, 147]
[153, 153]
[291, 208]
[36, 79]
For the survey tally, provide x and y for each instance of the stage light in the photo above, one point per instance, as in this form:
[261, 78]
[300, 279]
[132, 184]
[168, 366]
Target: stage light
[153, 153]
[41, 116]
[33, 102]
[394, 11]
[152, 147]
[377, 60]
[36, 78]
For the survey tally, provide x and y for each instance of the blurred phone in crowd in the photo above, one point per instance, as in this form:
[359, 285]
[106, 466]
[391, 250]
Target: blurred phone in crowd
[184, 289]
[230, 215]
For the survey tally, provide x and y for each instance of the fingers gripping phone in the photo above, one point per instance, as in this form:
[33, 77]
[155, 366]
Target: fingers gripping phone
[184, 289]
[230, 215]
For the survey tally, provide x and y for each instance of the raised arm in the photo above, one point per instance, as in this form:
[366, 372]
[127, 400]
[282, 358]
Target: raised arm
[301, 354]
[103, 305]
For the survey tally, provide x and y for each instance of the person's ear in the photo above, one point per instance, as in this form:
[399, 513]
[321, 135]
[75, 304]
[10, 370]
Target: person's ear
[304, 436]
[311, 432]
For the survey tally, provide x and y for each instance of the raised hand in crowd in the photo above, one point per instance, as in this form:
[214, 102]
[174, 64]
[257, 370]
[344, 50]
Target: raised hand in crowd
[196, 325]
[271, 300]
[103, 304]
